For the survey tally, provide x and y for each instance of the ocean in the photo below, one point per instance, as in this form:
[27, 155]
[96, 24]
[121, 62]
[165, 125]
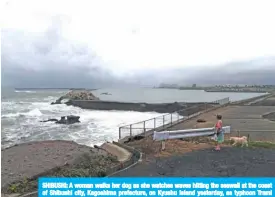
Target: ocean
[22, 110]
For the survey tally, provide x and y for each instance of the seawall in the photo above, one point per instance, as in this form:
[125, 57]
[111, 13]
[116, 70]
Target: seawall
[141, 107]
[240, 91]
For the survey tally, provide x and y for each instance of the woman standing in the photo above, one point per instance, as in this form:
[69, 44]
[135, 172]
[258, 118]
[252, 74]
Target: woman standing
[219, 132]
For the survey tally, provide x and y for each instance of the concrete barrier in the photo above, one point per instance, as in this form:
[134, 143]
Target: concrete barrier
[245, 101]
[124, 106]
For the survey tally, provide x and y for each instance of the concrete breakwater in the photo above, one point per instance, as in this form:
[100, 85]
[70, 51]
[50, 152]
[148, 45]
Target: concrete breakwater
[86, 100]
[141, 107]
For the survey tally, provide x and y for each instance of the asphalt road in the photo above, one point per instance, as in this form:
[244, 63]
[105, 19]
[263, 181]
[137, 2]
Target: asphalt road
[242, 162]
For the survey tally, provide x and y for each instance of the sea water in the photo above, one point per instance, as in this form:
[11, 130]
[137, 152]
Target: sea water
[21, 112]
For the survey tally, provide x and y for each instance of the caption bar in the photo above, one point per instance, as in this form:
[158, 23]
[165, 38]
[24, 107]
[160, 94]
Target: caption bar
[156, 187]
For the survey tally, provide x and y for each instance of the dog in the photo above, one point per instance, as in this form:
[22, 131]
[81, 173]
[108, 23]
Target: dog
[239, 140]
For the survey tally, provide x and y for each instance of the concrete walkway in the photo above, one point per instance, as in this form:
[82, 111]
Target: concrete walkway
[182, 158]
[242, 119]
[121, 153]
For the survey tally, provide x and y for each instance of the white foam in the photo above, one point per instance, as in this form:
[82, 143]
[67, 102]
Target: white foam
[24, 91]
[34, 112]
[95, 127]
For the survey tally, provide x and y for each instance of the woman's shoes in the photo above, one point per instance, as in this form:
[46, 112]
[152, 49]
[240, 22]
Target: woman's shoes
[218, 148]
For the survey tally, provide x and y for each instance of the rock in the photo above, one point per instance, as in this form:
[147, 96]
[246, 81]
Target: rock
[58, 101]
[70, 120]
[77, 95]
[50, 120]
[134, 138]
[105, 93]
[201, 120]
[62, 120]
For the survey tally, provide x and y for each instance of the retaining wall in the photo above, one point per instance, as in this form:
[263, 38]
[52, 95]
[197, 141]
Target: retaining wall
[142, 107]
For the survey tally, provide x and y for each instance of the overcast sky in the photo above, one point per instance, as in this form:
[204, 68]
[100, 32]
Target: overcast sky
[108, 42]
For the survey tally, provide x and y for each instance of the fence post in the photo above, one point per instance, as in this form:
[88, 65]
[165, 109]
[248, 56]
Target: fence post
[154, 123]
[178, 117]
[163, 120]
[171, 119]
[130, 130]
[163, 145]
[144, 128]
[119, 133]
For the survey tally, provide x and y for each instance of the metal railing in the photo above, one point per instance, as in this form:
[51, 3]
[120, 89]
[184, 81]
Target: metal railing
[186, 133]
[166, 120]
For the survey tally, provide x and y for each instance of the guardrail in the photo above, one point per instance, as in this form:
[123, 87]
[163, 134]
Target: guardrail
[186, 133]
[161, 122]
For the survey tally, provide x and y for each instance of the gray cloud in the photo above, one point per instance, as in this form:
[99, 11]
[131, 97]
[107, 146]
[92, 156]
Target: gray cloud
[256, 71]
[48, 60]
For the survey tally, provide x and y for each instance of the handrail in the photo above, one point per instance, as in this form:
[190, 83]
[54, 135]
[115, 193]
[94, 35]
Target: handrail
[161, 121]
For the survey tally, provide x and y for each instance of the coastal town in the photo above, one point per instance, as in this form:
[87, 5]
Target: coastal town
[223, 88]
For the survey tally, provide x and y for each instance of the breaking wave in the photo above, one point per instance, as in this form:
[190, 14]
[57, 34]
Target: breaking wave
[34, 112]
[24, 91]
[21, 123]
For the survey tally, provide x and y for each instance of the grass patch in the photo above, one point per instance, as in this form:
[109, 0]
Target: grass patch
[254, 144]
[86, 166]
[261, 144]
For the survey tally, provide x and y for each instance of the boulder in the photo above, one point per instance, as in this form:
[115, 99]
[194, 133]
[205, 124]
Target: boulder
[70, 120]
[50, 120]
[62, 120]
[77, 95]
[201, 120]
[80, 95]
[106, 93]
[58, 101]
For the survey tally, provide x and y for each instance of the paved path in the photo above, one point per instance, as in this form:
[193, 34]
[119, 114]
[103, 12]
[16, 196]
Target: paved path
[246, 119]
[243, 162]
[231, 161]
[121, 153]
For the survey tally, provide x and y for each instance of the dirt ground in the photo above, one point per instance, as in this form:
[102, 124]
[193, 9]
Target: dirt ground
[29, 160]
[151, 148]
